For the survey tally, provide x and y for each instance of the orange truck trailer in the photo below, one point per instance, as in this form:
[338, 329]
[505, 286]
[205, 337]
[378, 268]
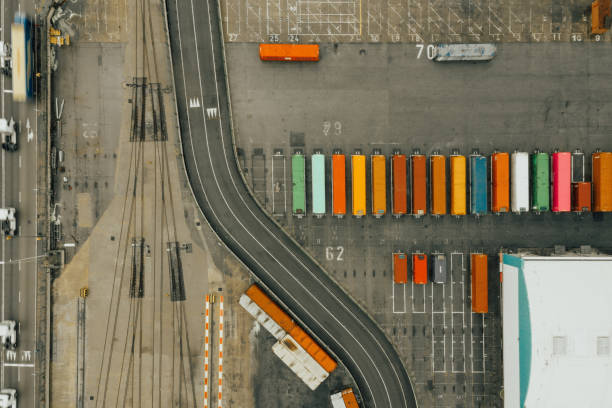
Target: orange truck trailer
[289, 52]
[500, 183]
[419, 268]
[399, 198]
[400, 267]
[458, 181]
[602, 181]
[437, 180]
[480, 294]
[338, 185]
[418, 174]
[344, 399]
[379, 185]
[581, 196]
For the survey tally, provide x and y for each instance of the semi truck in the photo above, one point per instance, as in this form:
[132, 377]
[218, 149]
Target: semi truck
[540, 181]
[358, 171]
[458, 183]
[8, 132]
[464, 52]
[520, 182]
[8, 334]
[419, 268]
[500, 182]
[8, 220]
[561, 176]
[478, 184]
[581, 197]
[298, 178]
[437, 179]
[318, 184]
[438, 268]
[289, 52]
[344, 399]
[338, 185]
[418, 177]
[399, 197]
[8, 398]
[400, 267]
[379, 185]
[602, 181]
[480, 294]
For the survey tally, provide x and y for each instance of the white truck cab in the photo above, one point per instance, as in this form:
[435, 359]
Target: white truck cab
[8, 221]
[8, 335]
[8, 398]
[8, 132]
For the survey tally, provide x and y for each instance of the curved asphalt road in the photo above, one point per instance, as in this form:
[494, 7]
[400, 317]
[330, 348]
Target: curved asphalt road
[273, 257]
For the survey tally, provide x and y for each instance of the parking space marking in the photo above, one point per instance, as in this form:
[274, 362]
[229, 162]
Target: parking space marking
[394, 290]
[278, 184]
[478, 340]
[438, 341]
[458, 313]
[419, 294]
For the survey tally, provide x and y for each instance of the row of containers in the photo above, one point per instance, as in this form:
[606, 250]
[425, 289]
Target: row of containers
[434, 268]
[519, 182]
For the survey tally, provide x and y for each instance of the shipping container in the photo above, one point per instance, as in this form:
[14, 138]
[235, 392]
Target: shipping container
[500, 182]
[358, 171]
[419, 268]
[561, 173]
[437, 180]
[478, 184]
[418, 173]
[581, 196]
[480, 293]
[399, 197]
[298, 177]
[464, 52]
[318, 184]
[289, 52]
[458, 177]
[339, 185]
[520, 182]
[344, 399]
[400, 267]
[602, 181]
[300, 361]
[540, 182]
[438, 268]
[379, 185]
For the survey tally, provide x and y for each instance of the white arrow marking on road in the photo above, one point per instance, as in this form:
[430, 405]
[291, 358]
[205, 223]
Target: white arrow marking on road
[211, 113]
[30, 133]
[26, 355]
[11, 355]
[194, 102]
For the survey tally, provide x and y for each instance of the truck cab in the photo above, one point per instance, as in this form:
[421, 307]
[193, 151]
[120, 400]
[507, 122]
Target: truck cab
[8, 221]
[8, 335]
[8, 132]
[8, 398]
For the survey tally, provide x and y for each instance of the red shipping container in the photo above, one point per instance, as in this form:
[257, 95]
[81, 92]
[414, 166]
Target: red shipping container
[419, 268]
[400, 267]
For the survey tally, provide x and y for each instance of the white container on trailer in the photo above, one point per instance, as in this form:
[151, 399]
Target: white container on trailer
[465, 52]
[300, 362]
[519, 182]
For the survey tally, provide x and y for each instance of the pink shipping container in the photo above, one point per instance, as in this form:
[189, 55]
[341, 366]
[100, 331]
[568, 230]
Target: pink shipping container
[561, 179]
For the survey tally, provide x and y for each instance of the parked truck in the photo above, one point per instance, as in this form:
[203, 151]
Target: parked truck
[344, 399]
[318, 184]
[500, 182]
[458, 183]
[298, 179]
[464, 52]
[438, 268]
[561, 177]
[339, 185]
[358, 170]
[478, 184]
[8, 220]
[602, 181]
[289, 52]
[419, 268]
[8, 132]
[418, 174]
[8, 334]
[400, 267]
[480, 293]
[520, 182]
[540, 182]
[379, 185]
[8, 398]
[399, 197]
[581, 196]
[437, 180]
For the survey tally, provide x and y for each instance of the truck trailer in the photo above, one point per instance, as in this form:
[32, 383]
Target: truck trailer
[400, 267]
[419, 268]
[478, 184]
[318, 184]
[437, 180]
[339, 185]
[458, 183]
[500, 182]
[418, 177]
[379, 185]
[540, 182]
[519, 164]
[602, 181]
[581, 197]
[480, 293]
[358, 172]
[438, 268]
[289, 52]
[298, 179]
[344, 399]
[399, 196]
[561, 177]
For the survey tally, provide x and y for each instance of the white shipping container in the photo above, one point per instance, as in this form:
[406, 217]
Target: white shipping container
[300, 362]
[262, 317]
[337, 400]
[520, 182]
[465, 52]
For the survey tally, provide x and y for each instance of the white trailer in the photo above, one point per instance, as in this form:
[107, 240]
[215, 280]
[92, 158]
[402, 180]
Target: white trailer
[6, 63]
[8, 221]
[464, 52]
[8, 398]
[8, 132]
[519, 169]
[8, 334]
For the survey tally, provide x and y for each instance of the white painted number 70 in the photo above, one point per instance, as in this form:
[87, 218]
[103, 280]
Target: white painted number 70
[431, 51]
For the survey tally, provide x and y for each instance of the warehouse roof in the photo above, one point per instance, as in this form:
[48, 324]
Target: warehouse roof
[557, 328]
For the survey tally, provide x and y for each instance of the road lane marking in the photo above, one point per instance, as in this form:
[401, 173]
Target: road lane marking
[20, 295]
[20, 197]
[19, 365]
[19, 161]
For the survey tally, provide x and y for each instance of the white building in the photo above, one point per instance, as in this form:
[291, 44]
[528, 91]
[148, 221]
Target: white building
[557, 325]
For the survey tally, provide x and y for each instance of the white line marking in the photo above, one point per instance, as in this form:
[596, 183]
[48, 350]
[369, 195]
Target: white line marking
[18, 365]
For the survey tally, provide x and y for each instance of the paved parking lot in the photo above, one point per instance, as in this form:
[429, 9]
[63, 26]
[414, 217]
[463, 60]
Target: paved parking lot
[368, 96]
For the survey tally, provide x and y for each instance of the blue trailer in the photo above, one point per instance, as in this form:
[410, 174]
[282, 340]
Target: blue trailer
[478, 184]
[21, 44]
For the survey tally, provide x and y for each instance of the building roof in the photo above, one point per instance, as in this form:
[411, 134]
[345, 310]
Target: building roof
[557, 325]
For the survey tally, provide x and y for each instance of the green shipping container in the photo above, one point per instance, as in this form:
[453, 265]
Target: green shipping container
[299, 184]
[540, 182]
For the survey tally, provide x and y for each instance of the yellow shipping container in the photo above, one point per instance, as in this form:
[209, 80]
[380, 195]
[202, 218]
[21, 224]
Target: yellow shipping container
[379, 188]
[358, 170]
[458, 185]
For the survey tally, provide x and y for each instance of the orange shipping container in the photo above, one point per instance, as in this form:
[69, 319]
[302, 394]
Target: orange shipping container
[289, 52]
[339, 184]
[419, 268]
[500, 182]
[349, 398]
[581, 196]
[418, 168]
[287, 324]
[602, 181]
[480, 293]
[399, 197]
[379, 185]
[437, 178]
[400, 267]
[458, 185]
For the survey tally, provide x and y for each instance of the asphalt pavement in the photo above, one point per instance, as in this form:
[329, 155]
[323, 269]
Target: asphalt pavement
[274, 258]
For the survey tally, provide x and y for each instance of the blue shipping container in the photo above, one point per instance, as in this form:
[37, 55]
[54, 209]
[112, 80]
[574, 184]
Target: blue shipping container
[478, 184]
[318, 184]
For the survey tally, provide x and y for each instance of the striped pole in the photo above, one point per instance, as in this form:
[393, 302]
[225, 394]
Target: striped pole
[220, 351]
[206, 339]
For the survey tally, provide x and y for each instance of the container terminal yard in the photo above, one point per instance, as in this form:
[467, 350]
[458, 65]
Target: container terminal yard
[411, 199]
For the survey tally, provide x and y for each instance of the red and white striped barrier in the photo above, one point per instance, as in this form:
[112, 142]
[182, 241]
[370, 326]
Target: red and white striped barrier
[206, 341]
[220, 351]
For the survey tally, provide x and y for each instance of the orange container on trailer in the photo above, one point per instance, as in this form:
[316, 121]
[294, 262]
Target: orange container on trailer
[400, 267]
[480, 293]
[339, 185]
[500, 182]
[398, 175]
[437, 178]
[378, 164]
[289, 52]
[419, 268]
[581, 196]
[602, 181]
[458, 182]
[418, 167]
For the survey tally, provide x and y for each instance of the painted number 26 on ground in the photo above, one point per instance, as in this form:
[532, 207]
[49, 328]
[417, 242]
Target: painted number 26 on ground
[431, 51]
